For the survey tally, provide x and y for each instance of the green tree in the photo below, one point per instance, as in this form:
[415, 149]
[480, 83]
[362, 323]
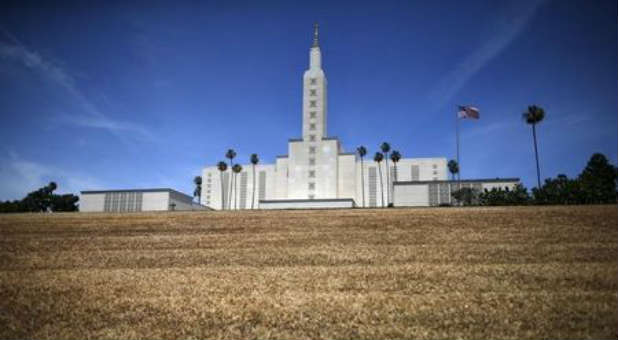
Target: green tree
[395, 157]
[498, 196]
[533, 116]
[468, 196]
[362, 151]
[230, 154]
[453, 168]
[237, 168]
[378, 158]
[385, 147]
[197, 180]
[254, 161]
[66, 202]
[598, 180]
[222, 168]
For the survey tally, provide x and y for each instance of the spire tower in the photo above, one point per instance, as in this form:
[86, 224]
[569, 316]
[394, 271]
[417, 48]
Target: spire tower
[315, 35]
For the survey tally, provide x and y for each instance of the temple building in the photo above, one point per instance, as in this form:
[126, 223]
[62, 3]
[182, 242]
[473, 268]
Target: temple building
[317, 172]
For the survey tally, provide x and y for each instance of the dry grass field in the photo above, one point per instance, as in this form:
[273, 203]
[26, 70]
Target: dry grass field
[524, 272]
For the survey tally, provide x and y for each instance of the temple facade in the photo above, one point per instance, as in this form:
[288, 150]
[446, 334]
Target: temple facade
[316, 172]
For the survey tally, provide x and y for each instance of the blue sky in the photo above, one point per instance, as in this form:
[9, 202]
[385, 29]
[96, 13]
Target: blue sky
[146, 94]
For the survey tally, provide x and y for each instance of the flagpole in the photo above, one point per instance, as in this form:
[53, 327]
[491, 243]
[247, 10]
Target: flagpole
[457, 134]
[457, 138]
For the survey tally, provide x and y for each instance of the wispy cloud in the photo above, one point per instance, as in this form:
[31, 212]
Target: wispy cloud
[19, 176]
[514, 23]
[92, 116]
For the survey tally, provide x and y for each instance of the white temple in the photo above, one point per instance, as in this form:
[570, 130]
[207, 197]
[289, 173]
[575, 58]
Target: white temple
[316, 172]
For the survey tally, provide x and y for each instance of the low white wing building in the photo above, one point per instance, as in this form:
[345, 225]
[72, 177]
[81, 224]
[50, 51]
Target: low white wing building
[135, 200]
[316, 172]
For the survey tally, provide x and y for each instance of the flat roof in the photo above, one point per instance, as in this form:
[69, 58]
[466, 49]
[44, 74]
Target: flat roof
[484, 180]
[133, 190]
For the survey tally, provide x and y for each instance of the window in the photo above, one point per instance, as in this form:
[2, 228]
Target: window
[311, 126]
[209, 174]
[435, 166]
[313, 81]
[311, 197]
[312, 103]
[313, 92]
[435, 172]
[311, 186]
[435, 178]
[311, 161]
[312, 114]
[312, 149]
[311, 173]
[208, 179]
[312, 138]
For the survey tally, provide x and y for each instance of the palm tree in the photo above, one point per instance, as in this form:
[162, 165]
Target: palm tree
[453, 167]
[378, 158]
[385, 149]
[198, 188]
[362, 151]
[230, 154]
[254, 160]
[237, 168]
[533, 116]
[395, 157]
[222, 167]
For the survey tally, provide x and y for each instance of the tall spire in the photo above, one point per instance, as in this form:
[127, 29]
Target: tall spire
[315, 35]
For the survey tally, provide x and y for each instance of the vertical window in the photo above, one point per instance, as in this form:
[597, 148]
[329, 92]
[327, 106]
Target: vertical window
[313, 81]
[312, 126]
[312, 149]
[312, 138]
[311, 196]
[312, 114]
[313, 92]
[311, 161]
[311, 186]
[312, 103]
[311, 173]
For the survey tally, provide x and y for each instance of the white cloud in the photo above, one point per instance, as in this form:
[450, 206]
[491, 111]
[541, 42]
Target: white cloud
[452, 82]
[18, 177]
[92, 116]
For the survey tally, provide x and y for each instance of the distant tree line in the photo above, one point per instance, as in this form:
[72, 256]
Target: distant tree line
[41, 200]
[596, 184]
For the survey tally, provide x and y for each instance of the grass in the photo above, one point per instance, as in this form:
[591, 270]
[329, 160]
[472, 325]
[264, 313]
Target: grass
[518, 272]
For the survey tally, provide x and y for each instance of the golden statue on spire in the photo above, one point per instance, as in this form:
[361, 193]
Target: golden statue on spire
[315, 35]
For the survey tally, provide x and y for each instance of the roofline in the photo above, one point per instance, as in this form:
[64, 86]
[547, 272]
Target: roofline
[309, 200]
[132, 190]
[295, 140]
[330, 138]
[347, 154]
[485, 180]
[282, 156]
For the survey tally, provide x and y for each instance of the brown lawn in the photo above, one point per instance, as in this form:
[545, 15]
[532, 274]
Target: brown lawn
[523, 272]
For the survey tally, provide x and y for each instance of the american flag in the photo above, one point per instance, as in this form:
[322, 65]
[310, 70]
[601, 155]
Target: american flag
[468, 112]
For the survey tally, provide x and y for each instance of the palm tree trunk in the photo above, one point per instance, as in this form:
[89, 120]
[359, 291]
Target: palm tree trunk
[388, 199]
[536, 154]
[229, 199]
[381, 183]
[222, 190]
[253, 198]
[363, 180]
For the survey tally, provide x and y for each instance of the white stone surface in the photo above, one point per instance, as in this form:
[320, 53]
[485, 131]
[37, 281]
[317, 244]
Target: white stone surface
[307, 204]
[91, 202]
[155, 201]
